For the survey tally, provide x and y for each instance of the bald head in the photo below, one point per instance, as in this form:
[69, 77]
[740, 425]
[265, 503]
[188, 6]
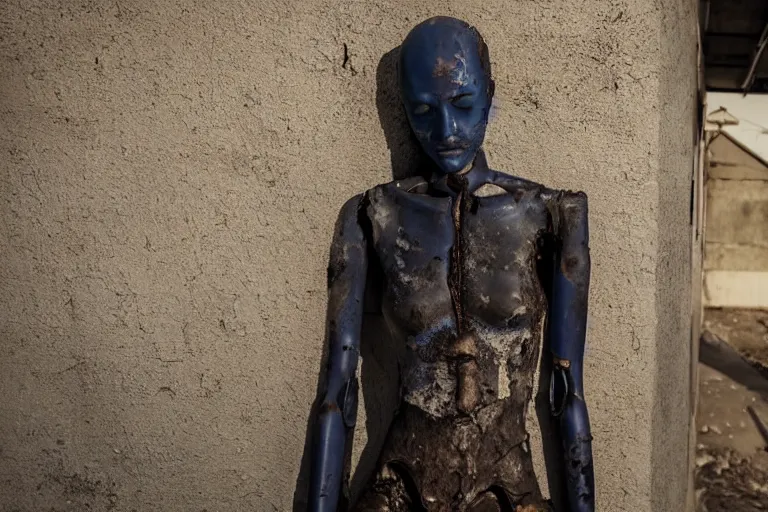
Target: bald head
[443, 36]
[446, 87]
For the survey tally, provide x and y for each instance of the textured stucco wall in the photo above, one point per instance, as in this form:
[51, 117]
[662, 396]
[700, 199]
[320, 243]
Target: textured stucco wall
[171, 172]
[678, 140]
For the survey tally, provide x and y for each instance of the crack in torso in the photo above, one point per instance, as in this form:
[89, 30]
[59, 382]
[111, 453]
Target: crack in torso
[464, 349]
[455, 281]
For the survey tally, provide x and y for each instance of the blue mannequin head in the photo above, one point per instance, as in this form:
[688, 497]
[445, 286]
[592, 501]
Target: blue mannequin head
[446, 87]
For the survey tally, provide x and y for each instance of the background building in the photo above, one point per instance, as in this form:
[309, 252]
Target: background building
[736, 235]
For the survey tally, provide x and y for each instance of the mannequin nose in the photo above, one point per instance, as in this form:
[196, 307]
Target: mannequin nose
[447, 125]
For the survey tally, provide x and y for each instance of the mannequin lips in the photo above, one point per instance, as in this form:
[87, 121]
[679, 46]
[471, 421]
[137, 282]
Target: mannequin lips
[452, 150]
[450, 153]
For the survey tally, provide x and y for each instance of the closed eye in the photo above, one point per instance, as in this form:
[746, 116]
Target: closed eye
[464, 101]
[421, 109]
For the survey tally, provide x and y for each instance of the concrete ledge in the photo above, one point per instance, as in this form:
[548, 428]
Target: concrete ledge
[736, 289]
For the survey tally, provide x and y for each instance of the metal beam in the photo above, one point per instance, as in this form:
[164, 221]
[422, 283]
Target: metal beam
[732, 35]
[705, 11]
[755, 60]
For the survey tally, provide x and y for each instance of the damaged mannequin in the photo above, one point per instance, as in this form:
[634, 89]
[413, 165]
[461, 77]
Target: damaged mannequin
[474, 264]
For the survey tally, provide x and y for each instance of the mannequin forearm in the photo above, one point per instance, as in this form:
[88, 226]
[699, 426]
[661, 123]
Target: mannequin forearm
[328, 456]
[336, 416]
[577, 446]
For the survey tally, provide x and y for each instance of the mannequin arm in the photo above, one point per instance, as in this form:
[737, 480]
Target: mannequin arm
[338, 410]
[567, 336]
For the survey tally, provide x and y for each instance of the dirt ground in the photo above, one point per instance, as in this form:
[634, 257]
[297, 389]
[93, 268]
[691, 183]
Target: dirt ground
[731, 456]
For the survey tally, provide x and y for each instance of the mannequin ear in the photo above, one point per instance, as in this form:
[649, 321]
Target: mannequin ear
[491, 88]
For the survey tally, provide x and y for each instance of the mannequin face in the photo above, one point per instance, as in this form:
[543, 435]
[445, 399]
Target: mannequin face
[446, 91]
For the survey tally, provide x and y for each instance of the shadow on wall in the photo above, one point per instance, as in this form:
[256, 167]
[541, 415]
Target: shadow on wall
[379, 369]
[378, 372]
[406, 157]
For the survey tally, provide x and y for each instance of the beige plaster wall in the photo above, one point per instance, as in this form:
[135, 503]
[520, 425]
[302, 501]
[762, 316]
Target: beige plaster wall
[170, 176]
[678, 140]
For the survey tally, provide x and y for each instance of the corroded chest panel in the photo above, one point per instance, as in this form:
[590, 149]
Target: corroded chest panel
[501, 238]
[413, 235]
[498, 298]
